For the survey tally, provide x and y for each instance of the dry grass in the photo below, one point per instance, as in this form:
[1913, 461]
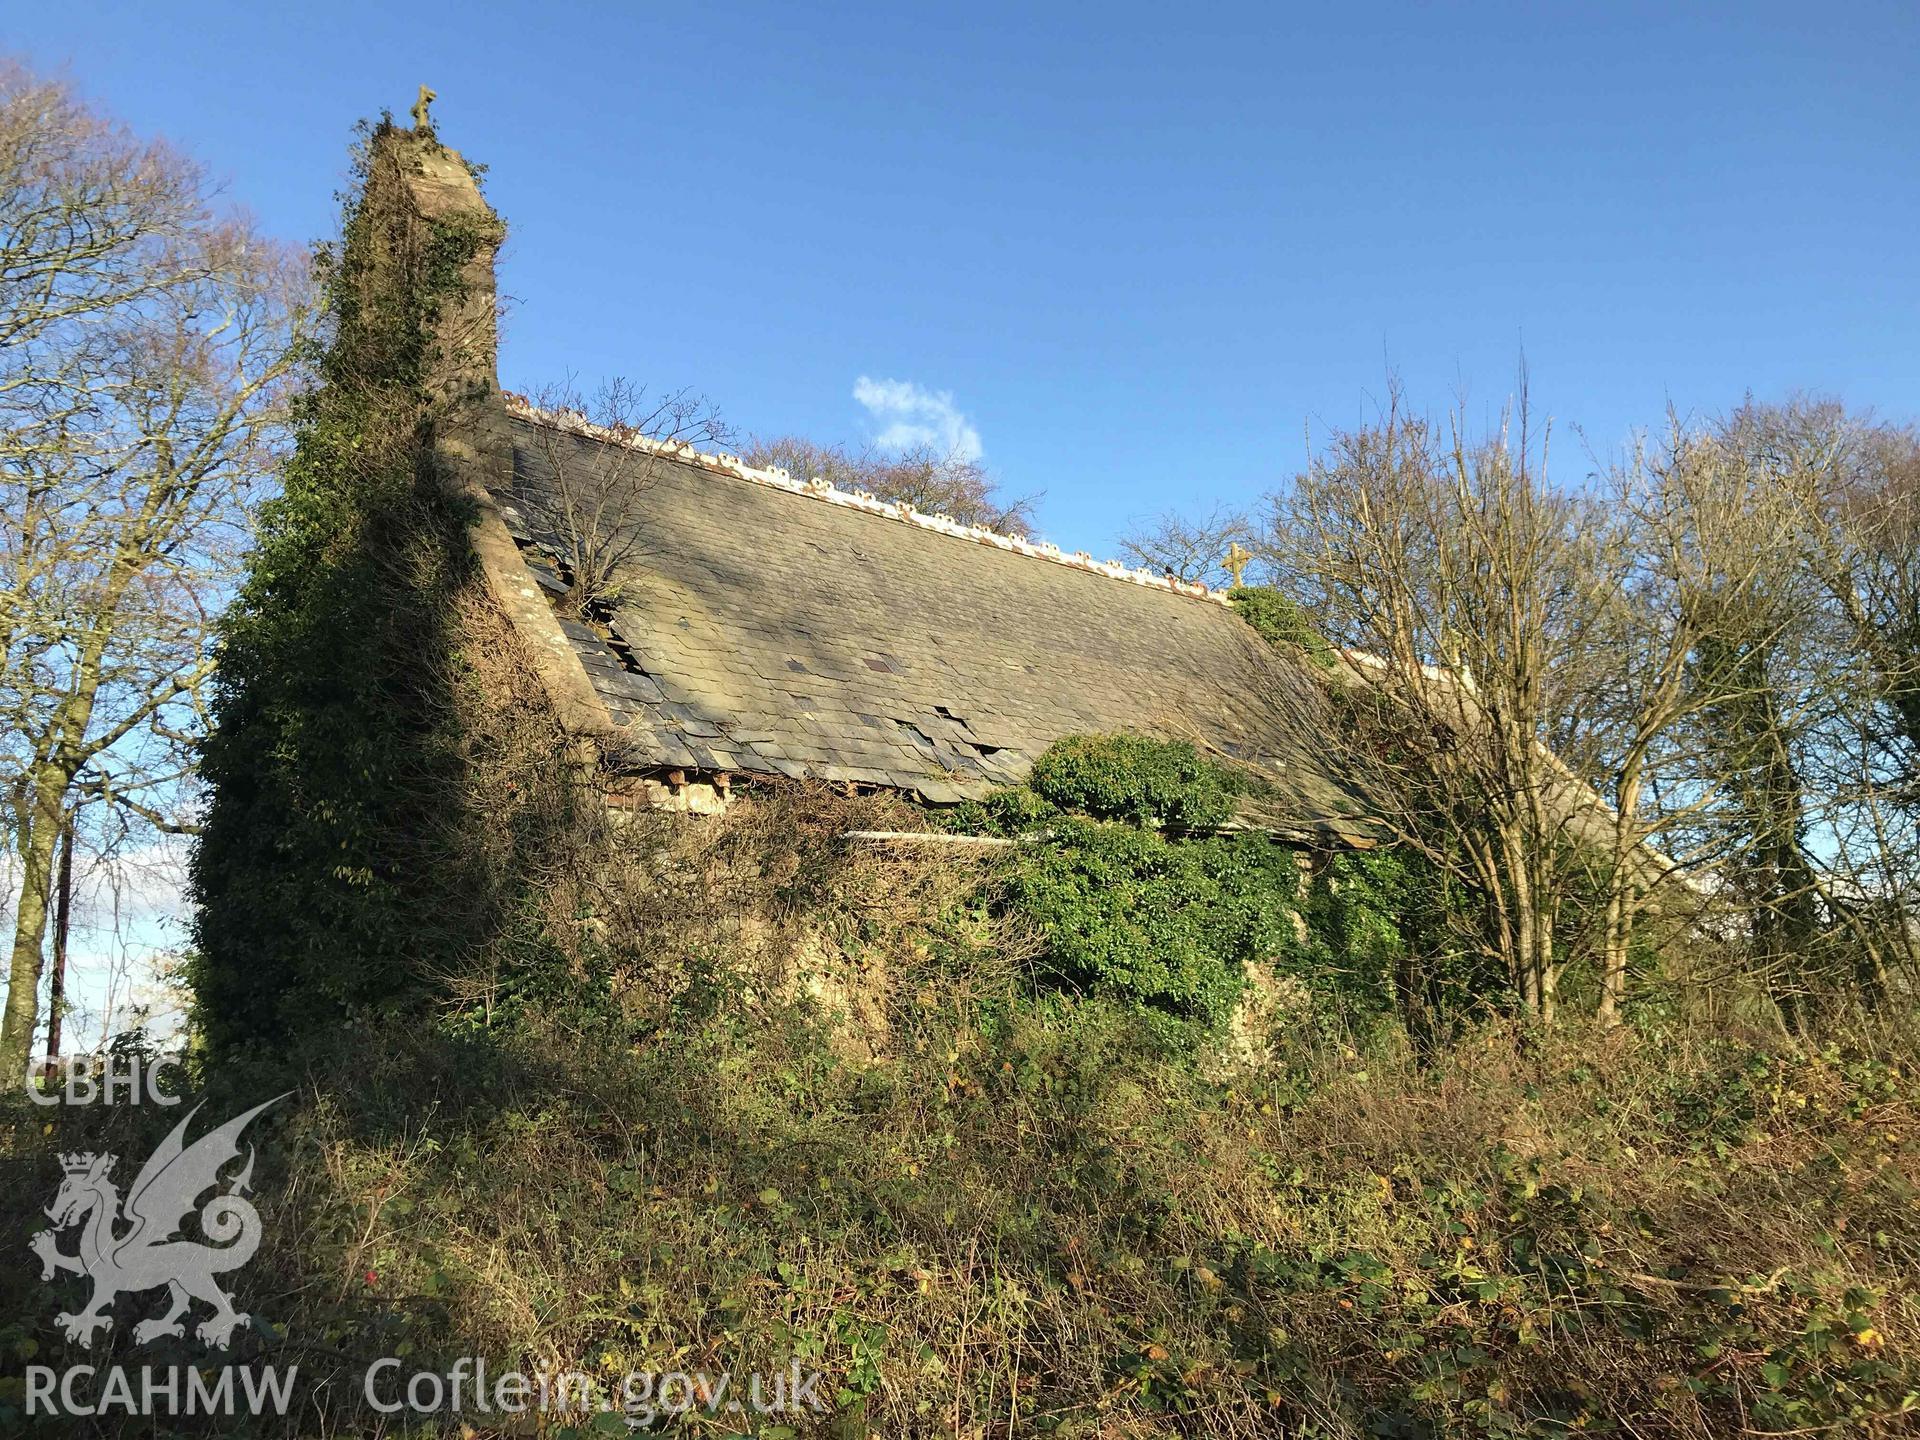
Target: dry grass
[637, 1136]
[1017, 1218]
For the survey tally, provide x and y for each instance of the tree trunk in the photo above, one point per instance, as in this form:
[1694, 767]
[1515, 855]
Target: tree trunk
[49, 779]
[38, 833]
[1526, 958]
[62, 925]
[1544, 956]
[1613, 954]
[1618, 938]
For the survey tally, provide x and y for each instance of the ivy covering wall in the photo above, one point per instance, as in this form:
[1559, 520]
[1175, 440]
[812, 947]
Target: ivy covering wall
[336, 873]
[1138, 893]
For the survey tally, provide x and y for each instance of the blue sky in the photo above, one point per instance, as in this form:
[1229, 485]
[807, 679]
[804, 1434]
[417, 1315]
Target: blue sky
[1142, 247]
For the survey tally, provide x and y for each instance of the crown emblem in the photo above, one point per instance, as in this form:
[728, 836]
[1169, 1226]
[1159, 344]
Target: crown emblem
[77, 1162]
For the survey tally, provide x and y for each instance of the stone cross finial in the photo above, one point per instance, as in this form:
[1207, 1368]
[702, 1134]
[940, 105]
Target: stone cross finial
[1236, 561]
[421, 120]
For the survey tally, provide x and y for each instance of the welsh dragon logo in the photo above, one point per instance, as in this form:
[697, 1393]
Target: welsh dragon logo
[131, 1246]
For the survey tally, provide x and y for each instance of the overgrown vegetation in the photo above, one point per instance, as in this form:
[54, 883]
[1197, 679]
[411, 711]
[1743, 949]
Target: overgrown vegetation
[339, 871]
[1280, 621]
[1139, 895]
[1005, 1213]
[1164, 784]
[1670, 696]
[1170, 925]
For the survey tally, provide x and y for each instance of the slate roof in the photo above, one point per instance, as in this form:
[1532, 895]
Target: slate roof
[766, 629]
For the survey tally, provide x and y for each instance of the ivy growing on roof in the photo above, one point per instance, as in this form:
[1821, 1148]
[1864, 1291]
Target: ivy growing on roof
[1281, 622]
[1165, 784]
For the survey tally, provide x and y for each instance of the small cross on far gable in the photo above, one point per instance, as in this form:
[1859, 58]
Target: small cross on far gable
[1237, 561]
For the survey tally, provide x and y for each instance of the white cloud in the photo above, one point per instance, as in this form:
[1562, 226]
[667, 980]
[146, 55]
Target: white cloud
[911, 416]
[132, 885]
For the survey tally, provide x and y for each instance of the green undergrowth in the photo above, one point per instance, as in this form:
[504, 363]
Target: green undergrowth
[1029, 1218]
[1139, 894]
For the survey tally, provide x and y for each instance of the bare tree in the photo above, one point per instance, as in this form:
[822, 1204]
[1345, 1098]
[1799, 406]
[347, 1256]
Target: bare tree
[1691, 693]
[1750, 723]
[1707, 585]
[1868, 563]
[583, 507]
[1873, 572]
[147, 342]
[929, 480]
[1190, 549]
[1464, 590]
[1820, 756]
